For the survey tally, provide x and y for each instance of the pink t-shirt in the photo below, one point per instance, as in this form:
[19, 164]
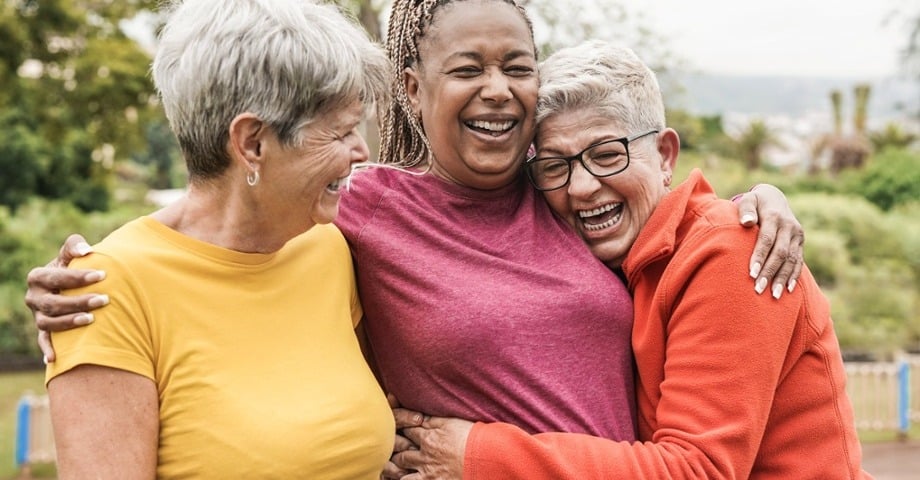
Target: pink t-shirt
[485, 306]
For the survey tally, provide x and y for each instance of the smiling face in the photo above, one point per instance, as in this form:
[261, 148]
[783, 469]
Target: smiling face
[607, 212]
[475, 90]
[308, 175]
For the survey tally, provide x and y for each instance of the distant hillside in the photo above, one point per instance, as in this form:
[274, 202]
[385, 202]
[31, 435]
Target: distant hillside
[710, 94]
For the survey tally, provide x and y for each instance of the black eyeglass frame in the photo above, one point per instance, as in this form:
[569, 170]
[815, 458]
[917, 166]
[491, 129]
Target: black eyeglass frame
[580, 157]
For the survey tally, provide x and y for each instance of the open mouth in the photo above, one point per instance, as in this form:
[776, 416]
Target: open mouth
[494, 129]
[601, 217]
[338, 183]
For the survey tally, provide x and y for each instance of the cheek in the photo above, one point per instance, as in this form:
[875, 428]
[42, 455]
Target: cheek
[558, 201]
[527, 91]
[316, 167]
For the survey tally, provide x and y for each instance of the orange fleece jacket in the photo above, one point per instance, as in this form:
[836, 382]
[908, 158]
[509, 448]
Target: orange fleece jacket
[730, 384]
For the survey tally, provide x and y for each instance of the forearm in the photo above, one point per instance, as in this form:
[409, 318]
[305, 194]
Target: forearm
[502, 451]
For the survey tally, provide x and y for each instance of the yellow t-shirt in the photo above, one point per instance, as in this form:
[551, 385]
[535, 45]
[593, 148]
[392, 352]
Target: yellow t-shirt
[254, 356]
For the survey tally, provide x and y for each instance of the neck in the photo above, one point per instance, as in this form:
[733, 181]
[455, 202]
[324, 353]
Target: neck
[232, 218]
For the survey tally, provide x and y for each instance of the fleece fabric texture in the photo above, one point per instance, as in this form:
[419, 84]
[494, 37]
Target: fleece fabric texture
[730, 384]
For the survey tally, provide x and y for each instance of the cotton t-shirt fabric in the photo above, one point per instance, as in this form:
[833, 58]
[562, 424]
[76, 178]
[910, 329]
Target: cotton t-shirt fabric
[254, 356]
[483, 305]
[730, 384]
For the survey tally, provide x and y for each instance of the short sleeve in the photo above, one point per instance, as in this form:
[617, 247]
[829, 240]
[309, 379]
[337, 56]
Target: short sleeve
[120, 335]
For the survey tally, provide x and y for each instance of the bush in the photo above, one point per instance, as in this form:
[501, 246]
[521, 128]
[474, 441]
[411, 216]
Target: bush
[827, 257]
[891, 178]
[31, 238]
[873, 309]
[866, 262]
[869, 234]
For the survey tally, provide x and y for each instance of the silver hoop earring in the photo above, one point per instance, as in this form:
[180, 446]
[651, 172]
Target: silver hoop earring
[252, 178]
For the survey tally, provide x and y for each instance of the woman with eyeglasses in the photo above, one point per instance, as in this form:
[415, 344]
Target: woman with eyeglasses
[729, 385]
[479, 302]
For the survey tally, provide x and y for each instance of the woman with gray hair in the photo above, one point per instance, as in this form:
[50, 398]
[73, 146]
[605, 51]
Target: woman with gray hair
[265, 97]
[729, 385]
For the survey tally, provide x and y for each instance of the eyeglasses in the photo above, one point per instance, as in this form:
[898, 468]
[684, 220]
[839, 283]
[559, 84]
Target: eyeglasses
[603, 159]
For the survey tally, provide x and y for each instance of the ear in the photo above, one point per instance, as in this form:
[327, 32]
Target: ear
[411, 81]
[247, 138]
[668, 149]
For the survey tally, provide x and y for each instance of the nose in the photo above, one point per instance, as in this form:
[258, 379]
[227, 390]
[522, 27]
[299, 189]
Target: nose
[582, 184]
[360, 152]
[497, 88]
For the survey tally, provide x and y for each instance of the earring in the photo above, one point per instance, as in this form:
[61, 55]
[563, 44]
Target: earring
[252, 178]
[667, 181]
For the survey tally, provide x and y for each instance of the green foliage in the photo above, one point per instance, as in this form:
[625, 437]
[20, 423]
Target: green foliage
[874, 310]
[827, 256]
[890, 179]
[689, 127]
[75, 95]
[19, 147]
[892, 136]
[866, 260]
[868, 234]
[162, 156]
[32, 237]
[752, 141]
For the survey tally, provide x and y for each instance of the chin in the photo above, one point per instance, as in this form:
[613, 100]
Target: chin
[325, 215]
[610, 256]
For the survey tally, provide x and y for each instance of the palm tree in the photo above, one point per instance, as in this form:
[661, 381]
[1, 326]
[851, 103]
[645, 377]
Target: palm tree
[753, 140]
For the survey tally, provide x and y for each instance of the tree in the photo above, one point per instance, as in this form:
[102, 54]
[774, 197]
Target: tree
[893, 135]
[752, 141]
[70, 73]
[561, 24]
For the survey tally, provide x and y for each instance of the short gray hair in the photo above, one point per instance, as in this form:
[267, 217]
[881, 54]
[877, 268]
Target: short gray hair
[599, 75]
[286, 61]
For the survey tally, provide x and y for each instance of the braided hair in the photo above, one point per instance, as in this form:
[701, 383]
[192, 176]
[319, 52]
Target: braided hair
[403, 141]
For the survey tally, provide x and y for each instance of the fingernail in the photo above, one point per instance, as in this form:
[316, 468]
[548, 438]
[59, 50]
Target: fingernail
[98, 301]
[417, 418]
[83, 319]
[777, 291]
[747, 218]
[94, 276]
[755, 269]
[45, 359]
[791, 286]
[82, 248]
[761, 285]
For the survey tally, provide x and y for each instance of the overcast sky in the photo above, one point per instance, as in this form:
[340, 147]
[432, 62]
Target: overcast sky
[834, 38]
[788, 37]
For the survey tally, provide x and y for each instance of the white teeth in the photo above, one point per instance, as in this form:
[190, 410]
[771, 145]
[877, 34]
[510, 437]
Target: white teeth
[601, 226]
[597, 211]
[591, 227]
[492, 126]
[334, 186]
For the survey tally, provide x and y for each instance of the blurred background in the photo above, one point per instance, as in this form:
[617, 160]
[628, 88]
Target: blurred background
[820, 98]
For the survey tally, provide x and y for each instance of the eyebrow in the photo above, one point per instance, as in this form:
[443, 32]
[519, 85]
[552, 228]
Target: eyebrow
[552, 151]
[512, 55]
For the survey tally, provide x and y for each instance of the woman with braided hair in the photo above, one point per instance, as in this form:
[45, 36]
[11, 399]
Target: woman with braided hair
[479, 302]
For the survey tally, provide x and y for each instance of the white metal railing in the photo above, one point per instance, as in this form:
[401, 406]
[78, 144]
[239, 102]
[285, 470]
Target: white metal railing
[885, 395]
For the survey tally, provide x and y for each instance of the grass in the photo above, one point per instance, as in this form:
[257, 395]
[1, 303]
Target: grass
[12, 387]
